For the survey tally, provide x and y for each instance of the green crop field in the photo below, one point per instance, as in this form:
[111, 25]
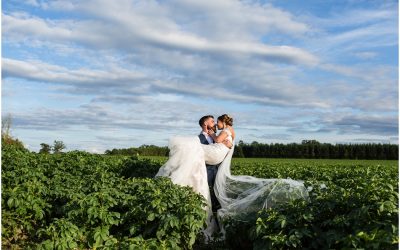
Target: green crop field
[87, 201]
[286, 161]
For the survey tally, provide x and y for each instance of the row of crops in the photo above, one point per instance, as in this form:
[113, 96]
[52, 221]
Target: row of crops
[86, 201]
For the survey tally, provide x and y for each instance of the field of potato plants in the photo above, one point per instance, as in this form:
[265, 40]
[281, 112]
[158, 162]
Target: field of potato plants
[78, 200]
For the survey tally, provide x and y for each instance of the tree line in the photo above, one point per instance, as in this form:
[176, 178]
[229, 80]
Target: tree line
[308, 149]
[144, 150]
[312, 149]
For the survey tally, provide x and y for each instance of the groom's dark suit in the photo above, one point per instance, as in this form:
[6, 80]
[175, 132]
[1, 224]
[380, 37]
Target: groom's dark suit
[211, 174]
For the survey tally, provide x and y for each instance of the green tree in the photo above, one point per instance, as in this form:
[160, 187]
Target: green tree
[6, 137]
[6, 126]
[45, 148]
[58, 146]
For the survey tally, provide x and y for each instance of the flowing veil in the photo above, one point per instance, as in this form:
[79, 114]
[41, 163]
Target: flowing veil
[239, 195]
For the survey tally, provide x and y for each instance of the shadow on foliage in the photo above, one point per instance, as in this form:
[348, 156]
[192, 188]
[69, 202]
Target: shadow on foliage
[142, 168]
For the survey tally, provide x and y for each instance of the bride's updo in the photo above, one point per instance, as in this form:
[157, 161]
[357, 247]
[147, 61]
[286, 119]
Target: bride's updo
[226, 119]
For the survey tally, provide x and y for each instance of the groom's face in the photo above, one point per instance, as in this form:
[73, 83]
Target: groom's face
[210, 123]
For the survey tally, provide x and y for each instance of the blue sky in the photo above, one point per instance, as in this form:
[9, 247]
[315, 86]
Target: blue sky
[100, 74]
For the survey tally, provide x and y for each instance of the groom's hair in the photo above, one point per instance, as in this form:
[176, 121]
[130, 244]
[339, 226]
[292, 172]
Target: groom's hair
[201, 121]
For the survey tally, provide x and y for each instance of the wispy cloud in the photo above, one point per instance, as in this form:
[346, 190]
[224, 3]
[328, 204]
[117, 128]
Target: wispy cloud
[387, 125]
[366, 54]
[41, 71]
[136, 28]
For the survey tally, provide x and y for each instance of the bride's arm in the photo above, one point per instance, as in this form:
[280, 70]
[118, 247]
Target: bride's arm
[219, 138]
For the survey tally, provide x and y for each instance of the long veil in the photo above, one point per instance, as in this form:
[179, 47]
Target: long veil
[241, 195]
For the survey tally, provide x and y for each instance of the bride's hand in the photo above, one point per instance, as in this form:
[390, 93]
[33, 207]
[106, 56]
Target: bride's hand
[227, 143]
[211, 134]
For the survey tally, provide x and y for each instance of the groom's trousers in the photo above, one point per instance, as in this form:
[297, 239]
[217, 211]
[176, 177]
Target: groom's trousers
[211, 174]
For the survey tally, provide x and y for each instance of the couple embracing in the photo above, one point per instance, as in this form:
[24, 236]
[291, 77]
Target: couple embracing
[203, 163]
[208, 137]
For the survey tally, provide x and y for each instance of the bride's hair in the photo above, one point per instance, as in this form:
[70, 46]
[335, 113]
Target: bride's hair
[226, 119]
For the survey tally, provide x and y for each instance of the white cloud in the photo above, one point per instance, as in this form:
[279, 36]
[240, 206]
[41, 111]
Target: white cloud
[367, 33]
[125, 82]
[41, 71]
[366, 54]
[162, 32]
[351, 30]
[224, 20]
[372, 124]
[21, 26]
[32, 2]
[365, 87]
[354, 17]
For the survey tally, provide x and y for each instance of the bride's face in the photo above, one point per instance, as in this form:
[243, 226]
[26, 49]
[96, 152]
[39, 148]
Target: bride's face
[220, 125]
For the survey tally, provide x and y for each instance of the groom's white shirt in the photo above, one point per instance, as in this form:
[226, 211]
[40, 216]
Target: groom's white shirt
[209, 139]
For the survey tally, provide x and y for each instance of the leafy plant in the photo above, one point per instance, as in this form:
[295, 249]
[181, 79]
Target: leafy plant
[81, 200]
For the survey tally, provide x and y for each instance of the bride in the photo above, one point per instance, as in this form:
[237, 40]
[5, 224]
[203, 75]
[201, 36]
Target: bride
[237, 195]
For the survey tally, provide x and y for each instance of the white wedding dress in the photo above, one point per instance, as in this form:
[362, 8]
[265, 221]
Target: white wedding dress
[237, 195]
[187, 161]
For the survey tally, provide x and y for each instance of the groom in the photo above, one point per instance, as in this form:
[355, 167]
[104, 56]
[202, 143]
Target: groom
[207, 123]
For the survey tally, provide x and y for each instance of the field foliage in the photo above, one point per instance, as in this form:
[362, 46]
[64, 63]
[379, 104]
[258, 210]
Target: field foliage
[87, 201]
